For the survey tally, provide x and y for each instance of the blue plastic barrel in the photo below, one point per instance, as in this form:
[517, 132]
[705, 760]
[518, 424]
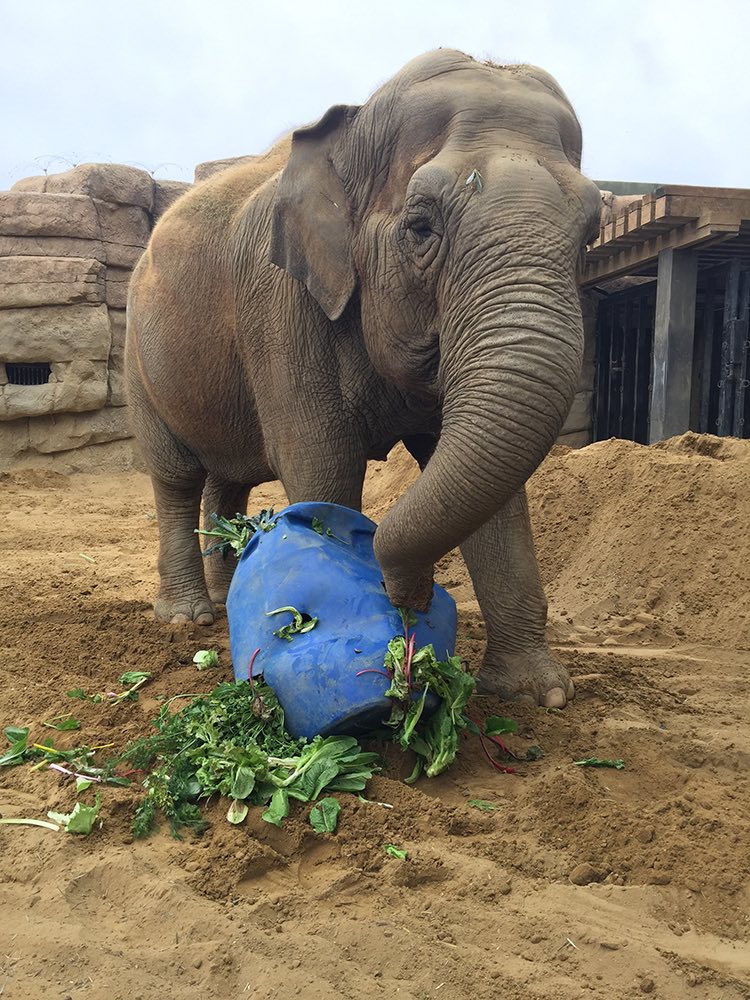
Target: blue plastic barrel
[332, 576]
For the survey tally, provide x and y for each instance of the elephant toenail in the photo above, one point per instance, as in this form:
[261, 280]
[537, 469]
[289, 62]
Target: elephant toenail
[555, 698]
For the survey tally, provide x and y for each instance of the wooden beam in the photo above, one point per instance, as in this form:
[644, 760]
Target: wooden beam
[672, 369]
[630, 260]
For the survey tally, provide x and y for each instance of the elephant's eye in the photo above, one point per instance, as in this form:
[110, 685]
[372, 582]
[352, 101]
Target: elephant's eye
[420, 228]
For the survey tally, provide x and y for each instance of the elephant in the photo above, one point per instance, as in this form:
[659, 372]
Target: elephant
[404, 270]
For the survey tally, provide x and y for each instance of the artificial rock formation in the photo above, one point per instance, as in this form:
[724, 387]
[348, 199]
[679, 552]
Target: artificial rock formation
[68, 245]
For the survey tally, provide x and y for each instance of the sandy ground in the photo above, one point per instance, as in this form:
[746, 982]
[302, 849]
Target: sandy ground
[645, 556]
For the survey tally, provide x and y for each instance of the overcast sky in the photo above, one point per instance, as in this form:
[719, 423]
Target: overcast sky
[661, 88]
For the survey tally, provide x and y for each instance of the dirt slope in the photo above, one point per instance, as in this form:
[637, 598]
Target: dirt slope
[645, 556]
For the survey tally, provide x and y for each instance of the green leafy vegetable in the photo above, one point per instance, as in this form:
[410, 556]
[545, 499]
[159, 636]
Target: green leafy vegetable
[598, 762]
[278, 808]
[18, 737]
[317, 525]
[82, 784]
[235, 532]
[132, 680]
[324, 815]
[232, 742]
[206, 658]
[534, 753]
[497, 725]
[300, 623]
[25, 821]
[482, 805]
[237, 812]
[418, 672]
[395, 852]
[81, 819]
[63, 723]
[81, 695]
[131, 677]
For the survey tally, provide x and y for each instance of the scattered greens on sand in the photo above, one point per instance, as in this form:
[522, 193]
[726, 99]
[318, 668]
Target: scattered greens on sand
[233, 533]
[483, 805]
[206, 658]
[81, 819]
[395, 852]
[324, 815]
[131, 680]
[598, 762]
[80, 760]
[63, 723]
[233, 742]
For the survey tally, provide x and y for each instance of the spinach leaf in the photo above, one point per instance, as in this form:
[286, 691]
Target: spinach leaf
[278, 808]
[324, 815]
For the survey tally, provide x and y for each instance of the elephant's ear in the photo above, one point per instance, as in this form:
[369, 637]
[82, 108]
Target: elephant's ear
[311, 227]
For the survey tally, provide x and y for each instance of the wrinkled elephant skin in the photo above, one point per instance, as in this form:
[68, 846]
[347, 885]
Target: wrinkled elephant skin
[403, 270]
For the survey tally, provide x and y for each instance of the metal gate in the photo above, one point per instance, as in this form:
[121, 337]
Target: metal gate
[624, 347]
[720, 400]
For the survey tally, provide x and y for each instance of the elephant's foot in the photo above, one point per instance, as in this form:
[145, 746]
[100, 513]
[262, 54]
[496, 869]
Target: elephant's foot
[179, 610]
[535, 677]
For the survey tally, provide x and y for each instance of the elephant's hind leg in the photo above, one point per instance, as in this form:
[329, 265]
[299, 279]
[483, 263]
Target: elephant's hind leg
[177, 478]
[518, 663]
[226, 500]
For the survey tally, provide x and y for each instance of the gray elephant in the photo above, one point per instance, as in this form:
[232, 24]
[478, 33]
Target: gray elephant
[404, 270]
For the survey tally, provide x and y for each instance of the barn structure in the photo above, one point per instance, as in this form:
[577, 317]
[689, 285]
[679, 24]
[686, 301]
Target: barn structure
[670, 278]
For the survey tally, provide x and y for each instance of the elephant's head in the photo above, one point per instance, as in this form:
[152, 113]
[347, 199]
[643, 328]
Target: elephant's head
[452, 205]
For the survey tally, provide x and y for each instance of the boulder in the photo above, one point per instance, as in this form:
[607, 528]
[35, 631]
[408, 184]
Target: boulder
[71, 430]
[166, 193]
[211, 167]
[117, 254]
[73, 387]
[55, 333]
[117, 323]
[118, 279]
[116, 372]
[14, 441]
[113, 182]
[27, 214]
[37, 281]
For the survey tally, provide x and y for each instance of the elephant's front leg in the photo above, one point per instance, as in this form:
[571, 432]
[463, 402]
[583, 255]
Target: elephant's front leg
[518, 663]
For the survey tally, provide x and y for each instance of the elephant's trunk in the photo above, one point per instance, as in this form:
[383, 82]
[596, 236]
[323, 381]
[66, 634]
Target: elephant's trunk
[510, 359]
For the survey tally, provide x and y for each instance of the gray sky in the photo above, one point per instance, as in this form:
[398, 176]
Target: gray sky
[661, 88]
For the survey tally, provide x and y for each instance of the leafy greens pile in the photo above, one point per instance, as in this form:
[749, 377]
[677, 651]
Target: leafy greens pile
[415, 674]
[233, 533]
[233, 742]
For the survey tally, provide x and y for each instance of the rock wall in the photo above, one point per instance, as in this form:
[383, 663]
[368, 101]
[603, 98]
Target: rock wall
[68, 245]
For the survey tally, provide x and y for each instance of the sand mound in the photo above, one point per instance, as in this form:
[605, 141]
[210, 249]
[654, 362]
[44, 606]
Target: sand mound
[648, 541]
[644, 870]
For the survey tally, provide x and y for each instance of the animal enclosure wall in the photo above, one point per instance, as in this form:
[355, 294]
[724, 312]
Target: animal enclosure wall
[68, 245]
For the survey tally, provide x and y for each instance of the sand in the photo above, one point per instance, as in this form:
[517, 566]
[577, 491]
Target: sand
[646, 560]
